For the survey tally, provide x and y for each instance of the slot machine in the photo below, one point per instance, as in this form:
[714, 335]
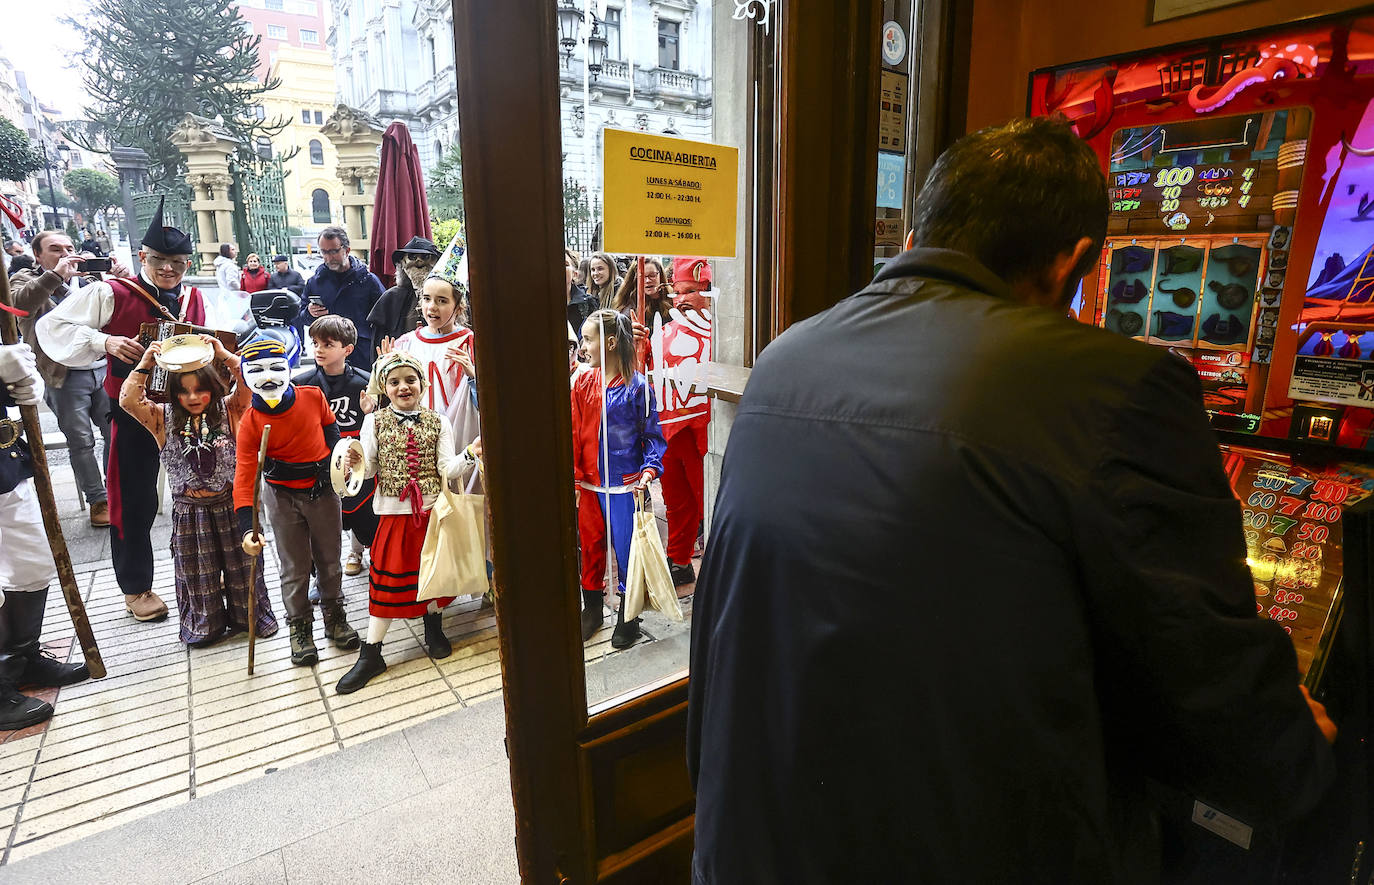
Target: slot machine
[1241, 176]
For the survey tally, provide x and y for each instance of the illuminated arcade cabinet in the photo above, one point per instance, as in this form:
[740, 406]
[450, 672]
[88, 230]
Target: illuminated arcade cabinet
[1241, 238]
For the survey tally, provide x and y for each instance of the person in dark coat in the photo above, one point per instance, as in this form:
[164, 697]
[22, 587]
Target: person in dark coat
[343, 286]
[395, 312]
[975, 573]
[284, 276]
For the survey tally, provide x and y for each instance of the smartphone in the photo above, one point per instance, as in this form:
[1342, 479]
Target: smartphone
[316, 299]
[94, 265]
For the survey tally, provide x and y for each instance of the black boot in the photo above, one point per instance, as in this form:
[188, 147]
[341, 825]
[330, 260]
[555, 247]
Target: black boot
[20, 711]
[593, 612]
[303, 651]
[25, 624]
[336, 625]
[368, 666]
[682, 574]
[435, 641]
[626, 632]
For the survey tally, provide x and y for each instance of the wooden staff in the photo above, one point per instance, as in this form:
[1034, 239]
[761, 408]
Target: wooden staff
[253, 565]
[42, 482]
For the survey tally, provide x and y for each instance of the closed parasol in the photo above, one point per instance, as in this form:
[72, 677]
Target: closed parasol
[400, 210]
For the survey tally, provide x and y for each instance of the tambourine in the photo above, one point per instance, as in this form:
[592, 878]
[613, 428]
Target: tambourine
[346, 480]
[184, 353]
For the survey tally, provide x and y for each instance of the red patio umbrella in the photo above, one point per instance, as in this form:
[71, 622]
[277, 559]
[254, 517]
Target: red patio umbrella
[400, 210]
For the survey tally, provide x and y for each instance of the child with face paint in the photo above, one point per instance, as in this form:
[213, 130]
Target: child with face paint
[195, 433]
[297, 496]
[444, 346]
[410, 450]
[617, 449]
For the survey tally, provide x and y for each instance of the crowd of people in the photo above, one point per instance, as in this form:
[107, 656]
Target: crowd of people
[395, 369]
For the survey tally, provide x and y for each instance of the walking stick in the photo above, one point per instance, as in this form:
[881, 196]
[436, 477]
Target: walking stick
[253, 565]
[42, 482]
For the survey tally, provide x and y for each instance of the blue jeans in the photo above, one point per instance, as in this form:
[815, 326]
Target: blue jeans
[80, 402]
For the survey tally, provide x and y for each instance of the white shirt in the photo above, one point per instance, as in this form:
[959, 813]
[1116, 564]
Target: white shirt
[73, 286]
[452, 465]
[70, 333]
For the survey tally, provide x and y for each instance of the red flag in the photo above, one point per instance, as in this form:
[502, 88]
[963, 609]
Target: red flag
[14, 211]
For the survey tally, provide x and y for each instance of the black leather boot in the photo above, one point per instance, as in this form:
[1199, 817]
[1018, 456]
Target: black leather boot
[25, 626]
[435, 641]
[368, 666]
[16, 710]
[626, 632]
[593, 612]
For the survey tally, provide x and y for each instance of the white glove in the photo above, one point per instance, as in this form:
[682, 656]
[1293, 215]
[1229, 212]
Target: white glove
[19, 372]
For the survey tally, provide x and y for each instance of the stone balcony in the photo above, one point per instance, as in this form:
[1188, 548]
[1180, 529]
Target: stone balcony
[650, 84]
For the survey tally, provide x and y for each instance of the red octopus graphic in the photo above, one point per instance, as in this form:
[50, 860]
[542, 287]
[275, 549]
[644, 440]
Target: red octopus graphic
[1276, 63]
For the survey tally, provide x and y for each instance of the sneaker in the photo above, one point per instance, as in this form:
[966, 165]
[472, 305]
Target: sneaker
[145, 606]
[353, 565]
[100, 514]
[45, 671]
[21, 711]
[303, 651]
[682, 574]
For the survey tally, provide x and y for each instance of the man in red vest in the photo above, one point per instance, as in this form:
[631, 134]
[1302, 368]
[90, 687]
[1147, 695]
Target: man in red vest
[101, 320]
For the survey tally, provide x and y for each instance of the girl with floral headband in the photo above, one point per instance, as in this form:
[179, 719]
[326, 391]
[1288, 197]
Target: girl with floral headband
[410, 449]
[196, 432]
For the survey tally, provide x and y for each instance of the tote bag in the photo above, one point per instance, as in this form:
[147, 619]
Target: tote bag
[453, 560]
[648, 581]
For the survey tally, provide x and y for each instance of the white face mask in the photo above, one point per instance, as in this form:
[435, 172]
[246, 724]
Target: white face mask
[268, 378]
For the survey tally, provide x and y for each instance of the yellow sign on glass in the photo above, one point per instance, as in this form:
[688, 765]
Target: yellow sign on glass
[669, 196]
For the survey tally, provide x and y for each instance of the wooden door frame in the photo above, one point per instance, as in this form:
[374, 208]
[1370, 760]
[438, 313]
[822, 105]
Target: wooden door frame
[572, 824]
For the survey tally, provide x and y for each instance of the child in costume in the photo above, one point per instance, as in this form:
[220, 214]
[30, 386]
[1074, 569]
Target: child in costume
[617, 449]
[296, 494]
[195, 433]
[344, 386]
[683, 346]
[410, 450]
[444, 345]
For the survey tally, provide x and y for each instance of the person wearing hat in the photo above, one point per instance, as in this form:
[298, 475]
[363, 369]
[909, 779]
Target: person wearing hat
[284, 276]
[395, 312]
[296, 493]
[103, 320]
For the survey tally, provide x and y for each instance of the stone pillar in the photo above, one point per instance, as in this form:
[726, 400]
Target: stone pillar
[207, 145]
[132, 166]
[357, 137]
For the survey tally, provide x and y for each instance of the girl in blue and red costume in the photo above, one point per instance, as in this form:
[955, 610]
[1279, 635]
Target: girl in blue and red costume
[617, 450]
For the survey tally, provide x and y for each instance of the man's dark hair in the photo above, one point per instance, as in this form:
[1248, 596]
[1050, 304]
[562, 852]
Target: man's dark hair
[224, 250]
[1014, 197]
[334, 232]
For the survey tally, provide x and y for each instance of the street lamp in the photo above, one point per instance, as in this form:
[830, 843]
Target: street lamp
[569, 21]
[48, 160]
[596, 49]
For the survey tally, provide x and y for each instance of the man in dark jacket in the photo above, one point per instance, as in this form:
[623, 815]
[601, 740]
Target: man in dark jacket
[395, 312]
[975, 573]
[345, 287]
[284, 276]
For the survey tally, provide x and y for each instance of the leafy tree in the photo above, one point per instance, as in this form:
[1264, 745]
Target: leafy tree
[443, 231]
[146, 65]
[92, 191]
[18, 157]
[445, 191]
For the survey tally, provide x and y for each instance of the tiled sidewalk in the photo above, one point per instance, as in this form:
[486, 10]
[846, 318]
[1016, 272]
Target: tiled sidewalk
[169, 724]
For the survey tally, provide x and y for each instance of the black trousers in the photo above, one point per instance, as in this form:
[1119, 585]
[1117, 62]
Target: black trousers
[133, 480]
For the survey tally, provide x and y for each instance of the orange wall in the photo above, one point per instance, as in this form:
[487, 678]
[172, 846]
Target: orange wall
[1011, 38]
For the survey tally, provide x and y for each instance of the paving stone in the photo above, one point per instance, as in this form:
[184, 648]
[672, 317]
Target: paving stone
[39, 845]
[266, 756]
[306, 726]
[270, 869]
[125, 755]
[354, 727]
[36, 821]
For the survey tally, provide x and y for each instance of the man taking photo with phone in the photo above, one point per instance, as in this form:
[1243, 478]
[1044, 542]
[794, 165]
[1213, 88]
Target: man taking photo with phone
[75, 394]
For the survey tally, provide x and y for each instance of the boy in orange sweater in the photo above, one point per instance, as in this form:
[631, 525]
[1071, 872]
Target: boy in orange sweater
[300, 502]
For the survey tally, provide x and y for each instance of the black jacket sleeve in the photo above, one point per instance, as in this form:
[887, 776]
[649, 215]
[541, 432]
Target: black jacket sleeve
[1204, 692]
